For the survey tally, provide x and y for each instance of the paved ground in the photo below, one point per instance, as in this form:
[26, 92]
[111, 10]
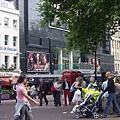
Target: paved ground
[44, 112]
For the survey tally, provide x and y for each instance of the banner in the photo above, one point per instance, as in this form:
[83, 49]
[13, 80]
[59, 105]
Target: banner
[38, 62]
[92, 61]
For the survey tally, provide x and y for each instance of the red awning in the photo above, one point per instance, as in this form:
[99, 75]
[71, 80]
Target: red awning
[5, 82]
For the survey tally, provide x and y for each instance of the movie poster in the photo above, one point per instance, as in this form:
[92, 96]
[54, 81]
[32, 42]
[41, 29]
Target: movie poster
[92, 61]
[38, 62]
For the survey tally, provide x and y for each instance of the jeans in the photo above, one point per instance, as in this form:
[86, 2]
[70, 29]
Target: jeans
[118, 99]
[57, 99]
[104, 103]
[0, 97]
[111, 99]
[25, 112]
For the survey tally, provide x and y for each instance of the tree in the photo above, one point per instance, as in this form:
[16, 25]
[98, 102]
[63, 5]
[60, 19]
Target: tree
[87, 20]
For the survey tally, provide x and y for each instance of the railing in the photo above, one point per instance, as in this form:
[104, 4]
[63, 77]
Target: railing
[73, 66]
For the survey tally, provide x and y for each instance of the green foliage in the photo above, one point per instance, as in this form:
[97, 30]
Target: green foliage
[7, 69]
[87, 20]
[6, 91]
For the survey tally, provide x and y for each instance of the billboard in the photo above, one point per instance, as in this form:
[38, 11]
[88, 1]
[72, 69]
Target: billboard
[92, 62]
[38, 62]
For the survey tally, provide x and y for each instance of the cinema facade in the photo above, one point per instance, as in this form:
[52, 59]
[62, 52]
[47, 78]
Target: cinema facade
[51, 42]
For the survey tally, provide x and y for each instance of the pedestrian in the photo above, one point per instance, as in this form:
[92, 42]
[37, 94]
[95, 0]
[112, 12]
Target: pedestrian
[66, 89]
[92, 81]
[105, 97]
[28, 88]
[53, 90]
[111, 97]
[14, 91]
[43, 92]
[117, 88]
[22, 107]
[0, 92]
[38, 90]
[33, 91]
[77, 98]
[58, 87]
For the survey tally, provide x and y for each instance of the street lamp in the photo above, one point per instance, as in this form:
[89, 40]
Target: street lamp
[95, 46]
[95, 66]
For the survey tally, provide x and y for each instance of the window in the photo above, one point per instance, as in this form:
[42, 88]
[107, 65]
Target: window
[15, 23]
[14, 40]
[6, 21]
[6, 39]
[6, 61]
[15, 62]
[40, 41]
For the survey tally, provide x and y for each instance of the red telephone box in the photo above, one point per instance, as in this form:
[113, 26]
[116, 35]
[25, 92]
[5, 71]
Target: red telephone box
[78, 73]
[71, 75]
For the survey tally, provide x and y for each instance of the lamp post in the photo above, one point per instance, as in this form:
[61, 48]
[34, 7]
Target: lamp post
[95, 66]
[95, 45]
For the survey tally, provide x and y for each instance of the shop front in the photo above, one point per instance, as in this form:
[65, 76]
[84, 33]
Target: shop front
[8, 79]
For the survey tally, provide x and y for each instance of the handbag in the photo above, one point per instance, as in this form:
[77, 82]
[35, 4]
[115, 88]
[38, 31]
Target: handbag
[53, 89]
[72, 88]
[78, 92]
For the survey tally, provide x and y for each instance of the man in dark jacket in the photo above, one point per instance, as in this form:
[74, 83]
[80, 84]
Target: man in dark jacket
[43, 92]
[112, 96]
[66, 88]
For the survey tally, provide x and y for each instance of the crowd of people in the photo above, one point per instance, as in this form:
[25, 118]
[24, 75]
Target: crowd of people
[110, 88]
[73, 94]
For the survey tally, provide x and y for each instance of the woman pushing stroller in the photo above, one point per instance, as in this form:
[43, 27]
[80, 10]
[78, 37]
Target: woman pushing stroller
[77, 97]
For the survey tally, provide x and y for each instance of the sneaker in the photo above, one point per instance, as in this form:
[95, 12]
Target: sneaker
[71, 112]
[118, 116]
[103, 116]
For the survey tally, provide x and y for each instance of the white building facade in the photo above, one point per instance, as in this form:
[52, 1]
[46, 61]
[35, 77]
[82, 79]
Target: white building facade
[115, 50]
[9, 36]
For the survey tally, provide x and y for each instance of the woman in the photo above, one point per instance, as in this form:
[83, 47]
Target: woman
[117, 87]
[77, 94]
[46, 62]
[58, 87]
[22, 106]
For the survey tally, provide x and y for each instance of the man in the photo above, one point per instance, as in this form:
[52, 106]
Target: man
[43, 92]
[111, 97]
[92, 82]
[105, 97]
[66, 88]
[0, 92]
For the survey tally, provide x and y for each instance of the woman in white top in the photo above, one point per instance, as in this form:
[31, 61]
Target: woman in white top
[77, 94]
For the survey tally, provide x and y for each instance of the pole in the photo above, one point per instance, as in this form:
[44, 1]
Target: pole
[95, 67]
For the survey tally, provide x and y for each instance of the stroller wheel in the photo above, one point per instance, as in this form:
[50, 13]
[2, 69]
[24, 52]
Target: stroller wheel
[95, 115]
[77, 115]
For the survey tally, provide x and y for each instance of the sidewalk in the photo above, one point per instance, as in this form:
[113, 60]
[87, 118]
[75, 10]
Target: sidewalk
[49, 97]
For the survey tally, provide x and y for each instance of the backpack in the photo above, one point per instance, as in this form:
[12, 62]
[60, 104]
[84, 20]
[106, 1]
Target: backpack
[72, 88]
[53, 89]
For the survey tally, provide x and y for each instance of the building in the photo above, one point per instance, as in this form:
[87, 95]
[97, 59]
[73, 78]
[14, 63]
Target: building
[47, 46]
[9, 40]
[115, 50]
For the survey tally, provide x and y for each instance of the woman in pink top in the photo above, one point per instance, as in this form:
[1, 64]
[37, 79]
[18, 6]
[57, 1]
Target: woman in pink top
[22, 106]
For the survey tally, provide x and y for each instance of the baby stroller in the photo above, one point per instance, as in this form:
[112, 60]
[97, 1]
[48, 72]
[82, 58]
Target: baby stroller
[88, 109]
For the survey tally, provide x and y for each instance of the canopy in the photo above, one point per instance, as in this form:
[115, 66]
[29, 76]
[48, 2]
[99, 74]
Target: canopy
[6, 82]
